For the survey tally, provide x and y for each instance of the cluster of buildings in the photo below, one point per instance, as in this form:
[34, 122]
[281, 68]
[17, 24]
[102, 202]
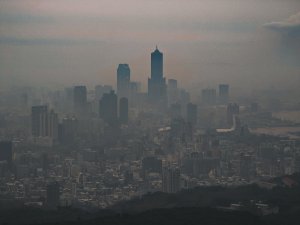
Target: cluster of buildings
[93, 148]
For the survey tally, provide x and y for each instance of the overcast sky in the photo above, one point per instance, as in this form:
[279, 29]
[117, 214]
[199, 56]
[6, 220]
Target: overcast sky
[65, 42]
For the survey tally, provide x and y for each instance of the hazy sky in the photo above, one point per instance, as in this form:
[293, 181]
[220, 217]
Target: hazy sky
[67, 42]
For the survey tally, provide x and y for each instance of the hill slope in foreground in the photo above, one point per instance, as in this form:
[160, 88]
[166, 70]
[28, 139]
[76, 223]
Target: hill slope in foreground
[205, 205]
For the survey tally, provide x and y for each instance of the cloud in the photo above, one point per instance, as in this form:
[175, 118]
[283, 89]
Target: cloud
[47, 41]
[289, 44]
[289, 25]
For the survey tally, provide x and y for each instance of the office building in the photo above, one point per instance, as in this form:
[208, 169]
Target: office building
[6, 151]
[246, 166]
[108, 107]
[43, 122]
[233, 109]
[80, 99]
[52, 125]
[39, 121]
[157, 83]
[171, 179]
[134, 92]
[172, 91]
[123, 80]
[223, 93]
[68, 130]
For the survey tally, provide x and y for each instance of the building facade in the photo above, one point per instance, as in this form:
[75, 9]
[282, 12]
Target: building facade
[157, 83]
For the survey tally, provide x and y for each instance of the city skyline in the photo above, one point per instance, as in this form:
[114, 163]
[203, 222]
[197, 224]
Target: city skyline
[204, 41]
[156, 112]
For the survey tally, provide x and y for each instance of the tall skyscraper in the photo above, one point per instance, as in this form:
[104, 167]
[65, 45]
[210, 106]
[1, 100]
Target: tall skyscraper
[157, 83]
[6, 152]
[171, 180]
[80, 99]
[39, 121]
[223, 93]
[123, 114]
[108, 107]
[123, 80]
[191, 113]
[156, 65]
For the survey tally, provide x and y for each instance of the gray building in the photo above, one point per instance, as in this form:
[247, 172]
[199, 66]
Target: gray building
[108, 107]
[157, 83]
[123, 80]
[80, 99]
[171, 179]
[223, 93]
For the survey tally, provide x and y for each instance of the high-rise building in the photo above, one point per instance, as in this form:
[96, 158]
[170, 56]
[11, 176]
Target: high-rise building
[172, 91]
[209, 96]
[123, 113]
[156, 65]
[191, 114]
[108, 107]
[233, 109]
[6, 151]
[68, 99]
[68, 130]
[43, 122]
[135, 89]
[184, 97]
[157, 83]
[246, 166]
[171, 179]
[123, 80]
[223, 93]
[39, 121]
[80, 99]
[52, 125]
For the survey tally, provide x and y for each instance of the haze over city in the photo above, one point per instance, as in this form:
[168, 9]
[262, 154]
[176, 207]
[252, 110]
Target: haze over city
[56, 43]
[161, 112]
